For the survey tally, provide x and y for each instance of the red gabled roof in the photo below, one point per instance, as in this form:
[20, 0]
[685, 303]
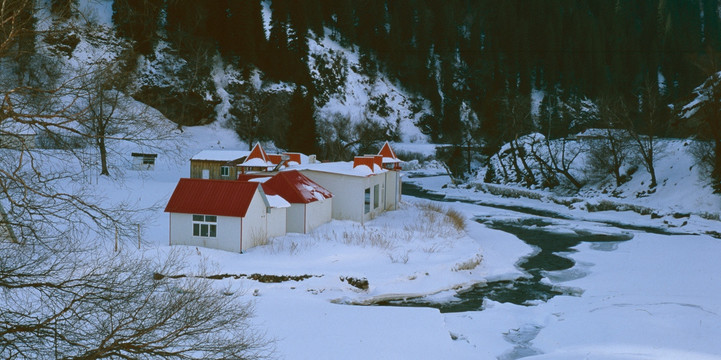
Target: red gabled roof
[257, 153]
[212, 197]
[387, 151]
[295, 188]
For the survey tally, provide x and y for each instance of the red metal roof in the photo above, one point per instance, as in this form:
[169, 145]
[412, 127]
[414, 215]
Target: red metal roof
[212, 197]
[295, 188]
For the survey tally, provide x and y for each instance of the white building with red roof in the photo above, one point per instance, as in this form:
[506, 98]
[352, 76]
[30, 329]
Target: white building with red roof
[225, 215]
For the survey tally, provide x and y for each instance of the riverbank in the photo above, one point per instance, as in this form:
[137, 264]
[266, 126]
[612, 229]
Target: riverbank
[687, 218]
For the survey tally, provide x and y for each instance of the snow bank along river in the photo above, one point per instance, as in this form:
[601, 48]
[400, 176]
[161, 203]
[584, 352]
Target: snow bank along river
[590, 290]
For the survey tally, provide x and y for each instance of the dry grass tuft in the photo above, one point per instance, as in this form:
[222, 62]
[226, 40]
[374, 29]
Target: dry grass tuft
[438, 221]
[469, 264]
[457, 219]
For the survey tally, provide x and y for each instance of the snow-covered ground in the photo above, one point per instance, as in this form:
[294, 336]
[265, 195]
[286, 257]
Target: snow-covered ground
[655, 296]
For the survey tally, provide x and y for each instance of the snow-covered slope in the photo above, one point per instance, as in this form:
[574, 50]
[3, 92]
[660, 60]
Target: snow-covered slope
[362, 98]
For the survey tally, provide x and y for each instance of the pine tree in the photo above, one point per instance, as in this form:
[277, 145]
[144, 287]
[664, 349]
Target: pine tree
[302, 134]
[217, 24]
[63, 9]
[711, 25]
[138, 20]
[298, 43]
[680, 28]
[186, 25]
[345, 22]
[245, 34]
[277, 55]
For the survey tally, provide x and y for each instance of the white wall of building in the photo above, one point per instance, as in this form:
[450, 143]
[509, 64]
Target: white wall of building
[228, 233]
[349, 193]
[254, 229]
[318, 213]
[296, 218]
[277, 222]
[303, 218]
[392, 192]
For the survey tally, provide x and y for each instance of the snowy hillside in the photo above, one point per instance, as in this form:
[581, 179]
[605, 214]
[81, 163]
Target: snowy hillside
[363, 99]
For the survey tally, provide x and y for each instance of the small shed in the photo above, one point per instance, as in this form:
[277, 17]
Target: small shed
[143, 161]
[225, 215]
[390, 160]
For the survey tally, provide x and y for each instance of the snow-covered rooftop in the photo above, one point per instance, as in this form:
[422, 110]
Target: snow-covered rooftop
[256, 162]
[220, 155]
[342, 168]
[277, 201]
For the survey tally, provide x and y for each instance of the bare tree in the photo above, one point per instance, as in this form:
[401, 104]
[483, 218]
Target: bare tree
[644, 132]
[556, 156]
[518, 116]
[610, 149]
[63, 293]
[105, 114]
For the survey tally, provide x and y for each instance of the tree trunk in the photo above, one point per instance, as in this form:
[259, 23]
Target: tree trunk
[528, 173]
[649, 163]
[503, 167]
[103, 155]
[565, 168]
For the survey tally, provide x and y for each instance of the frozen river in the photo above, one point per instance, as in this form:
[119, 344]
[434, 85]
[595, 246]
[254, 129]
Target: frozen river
[591, 290]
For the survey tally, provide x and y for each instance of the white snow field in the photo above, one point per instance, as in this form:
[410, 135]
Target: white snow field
[656, 296]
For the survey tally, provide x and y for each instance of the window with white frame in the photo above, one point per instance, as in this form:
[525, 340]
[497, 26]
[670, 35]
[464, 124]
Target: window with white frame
[225, 171]
[205, 225]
